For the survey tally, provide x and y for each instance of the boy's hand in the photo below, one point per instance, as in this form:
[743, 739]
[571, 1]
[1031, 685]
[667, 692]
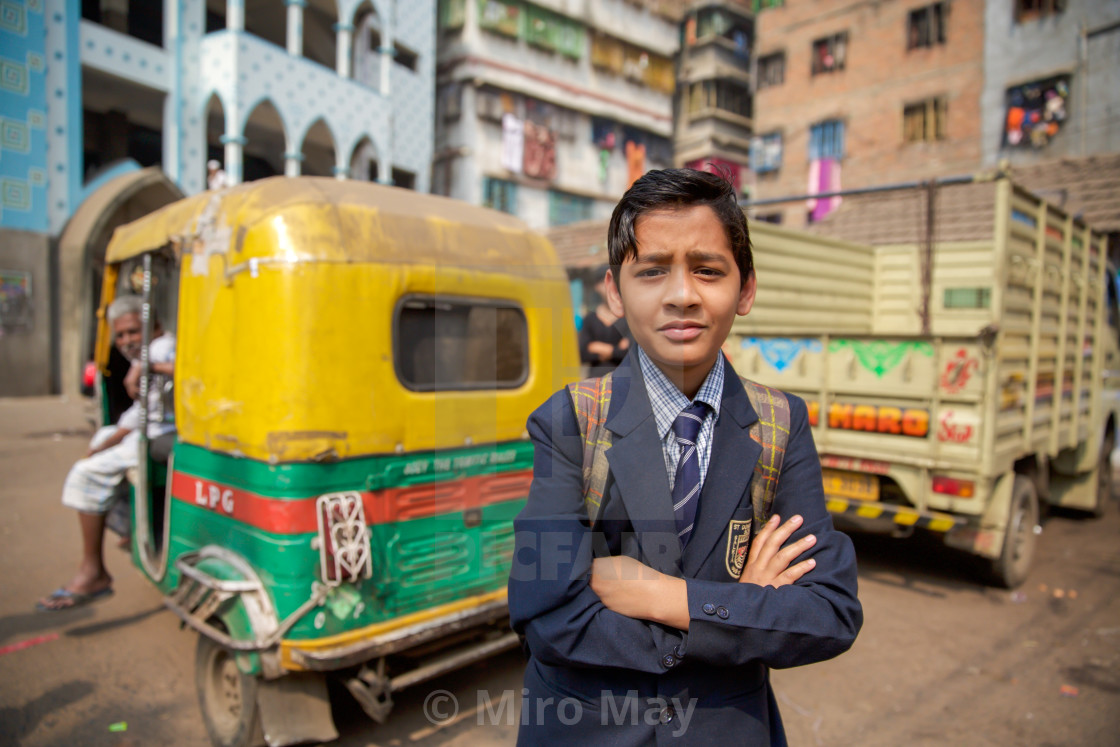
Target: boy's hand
[629, 587]
[769, 564]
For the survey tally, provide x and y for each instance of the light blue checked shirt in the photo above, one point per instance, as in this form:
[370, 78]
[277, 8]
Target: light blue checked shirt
[667, 403]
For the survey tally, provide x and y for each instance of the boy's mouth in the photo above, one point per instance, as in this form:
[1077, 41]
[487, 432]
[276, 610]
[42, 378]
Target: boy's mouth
[682, 331]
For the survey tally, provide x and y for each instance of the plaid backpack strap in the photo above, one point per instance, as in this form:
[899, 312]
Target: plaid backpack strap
[771, 432]
[591, 400]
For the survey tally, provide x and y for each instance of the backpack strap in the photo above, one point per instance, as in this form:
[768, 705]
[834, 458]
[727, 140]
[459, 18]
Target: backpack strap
[591, 401]
[771, 432]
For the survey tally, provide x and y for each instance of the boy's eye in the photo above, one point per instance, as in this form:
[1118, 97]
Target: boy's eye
[651, 272]
[710, 271]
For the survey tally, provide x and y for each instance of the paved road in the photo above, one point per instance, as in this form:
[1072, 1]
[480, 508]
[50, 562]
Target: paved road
[941, 660]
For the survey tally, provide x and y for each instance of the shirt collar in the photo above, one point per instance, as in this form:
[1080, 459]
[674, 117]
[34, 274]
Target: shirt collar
[667, 401]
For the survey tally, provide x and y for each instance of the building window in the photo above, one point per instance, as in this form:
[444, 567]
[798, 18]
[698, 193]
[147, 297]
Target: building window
[924, 121]
[771, 70]
[829, 53]
[404, 179]
[926, 26]
[489, 104]
[826, 140]
[500, 194]
[567, 208]
[725, 95]
[404, 56]
[500, 17]
[710, 23]
[637, 64]
[1036, 112]
[452, 14]
[450, 102]
[759, 5]
[443, 343]
[766, 153]
[1032, 10]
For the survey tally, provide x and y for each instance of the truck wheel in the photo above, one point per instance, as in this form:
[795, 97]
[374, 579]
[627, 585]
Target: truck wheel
[226, 696]
[1011, 567]
[1105, 487]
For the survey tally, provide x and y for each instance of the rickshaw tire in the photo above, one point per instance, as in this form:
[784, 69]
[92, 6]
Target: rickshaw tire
[227, 697]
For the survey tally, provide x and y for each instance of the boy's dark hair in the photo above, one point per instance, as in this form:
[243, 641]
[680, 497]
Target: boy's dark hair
[667, 189]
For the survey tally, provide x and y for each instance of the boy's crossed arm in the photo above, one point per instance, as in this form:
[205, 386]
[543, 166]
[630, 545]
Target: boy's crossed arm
[629, 587]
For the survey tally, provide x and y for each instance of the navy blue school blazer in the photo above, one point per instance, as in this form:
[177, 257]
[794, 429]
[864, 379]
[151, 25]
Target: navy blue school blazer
[597, 677]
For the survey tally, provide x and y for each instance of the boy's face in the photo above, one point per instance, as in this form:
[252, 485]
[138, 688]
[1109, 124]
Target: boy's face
[681, 293]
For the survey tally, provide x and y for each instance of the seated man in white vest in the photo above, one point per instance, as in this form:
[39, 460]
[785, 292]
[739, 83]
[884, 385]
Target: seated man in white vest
[91, 486]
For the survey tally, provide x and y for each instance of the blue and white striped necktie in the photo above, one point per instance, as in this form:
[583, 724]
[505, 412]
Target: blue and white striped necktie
[686, 485]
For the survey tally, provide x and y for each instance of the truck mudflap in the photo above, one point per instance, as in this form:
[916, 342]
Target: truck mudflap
[902, 515]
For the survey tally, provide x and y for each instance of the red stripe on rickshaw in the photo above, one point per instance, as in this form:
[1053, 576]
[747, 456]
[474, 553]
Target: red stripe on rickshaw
[297, 515]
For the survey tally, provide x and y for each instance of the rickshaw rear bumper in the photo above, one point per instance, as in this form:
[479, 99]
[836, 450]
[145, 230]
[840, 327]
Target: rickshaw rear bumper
[487, 611]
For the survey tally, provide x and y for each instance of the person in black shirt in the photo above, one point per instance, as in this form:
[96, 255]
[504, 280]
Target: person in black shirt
[602, 341]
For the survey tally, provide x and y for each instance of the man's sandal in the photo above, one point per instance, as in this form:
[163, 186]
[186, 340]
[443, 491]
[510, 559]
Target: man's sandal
[63, 599]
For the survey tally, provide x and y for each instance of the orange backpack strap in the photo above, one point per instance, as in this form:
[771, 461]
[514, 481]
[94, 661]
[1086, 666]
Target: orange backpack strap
[591, 400]
[771, 432]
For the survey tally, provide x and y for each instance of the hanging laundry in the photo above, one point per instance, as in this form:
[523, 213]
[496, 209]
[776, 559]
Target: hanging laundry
[513, 143]
[1035, 112]
[635, 162]
[540, 151]
[824, 177]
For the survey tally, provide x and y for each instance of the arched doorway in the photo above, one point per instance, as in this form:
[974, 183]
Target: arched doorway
[320, 40]
[265, 141]
[363, 161]
[81, 259]
[367, 45]
[215, 118]
[318, 150]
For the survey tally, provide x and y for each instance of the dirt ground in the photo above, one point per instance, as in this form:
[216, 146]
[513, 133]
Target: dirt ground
[942, 659]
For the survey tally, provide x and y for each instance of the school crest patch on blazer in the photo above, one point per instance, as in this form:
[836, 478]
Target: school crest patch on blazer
[738, 539]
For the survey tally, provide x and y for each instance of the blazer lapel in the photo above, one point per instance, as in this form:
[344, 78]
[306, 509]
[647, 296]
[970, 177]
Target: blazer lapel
[638, 468]
[730, 468]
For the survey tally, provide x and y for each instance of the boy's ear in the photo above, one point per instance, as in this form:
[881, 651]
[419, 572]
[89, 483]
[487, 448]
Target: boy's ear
[746, 294]
[614, 296]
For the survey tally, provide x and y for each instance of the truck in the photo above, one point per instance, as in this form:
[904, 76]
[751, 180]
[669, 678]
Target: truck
[959, 355]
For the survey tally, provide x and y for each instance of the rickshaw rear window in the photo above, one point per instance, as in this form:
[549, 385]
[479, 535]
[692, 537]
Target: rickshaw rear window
[443, 344]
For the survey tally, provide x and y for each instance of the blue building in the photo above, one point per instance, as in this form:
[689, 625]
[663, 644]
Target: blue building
[111, 108]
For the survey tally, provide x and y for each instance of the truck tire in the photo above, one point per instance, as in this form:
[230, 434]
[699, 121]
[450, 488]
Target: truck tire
[1105, 488]
[226, 696]
[1014, 562]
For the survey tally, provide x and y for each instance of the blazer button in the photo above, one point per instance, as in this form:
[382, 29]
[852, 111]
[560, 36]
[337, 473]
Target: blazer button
[668, 660]
[723, 613]
[709, 609]
[667, 714]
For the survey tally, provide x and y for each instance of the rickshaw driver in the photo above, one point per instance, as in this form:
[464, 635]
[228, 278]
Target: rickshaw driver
[91, 486]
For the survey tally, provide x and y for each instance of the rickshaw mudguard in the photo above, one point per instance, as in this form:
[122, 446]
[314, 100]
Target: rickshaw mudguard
[219, 586]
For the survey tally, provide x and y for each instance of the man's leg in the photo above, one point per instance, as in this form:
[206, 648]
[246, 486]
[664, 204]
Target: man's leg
[89, 489]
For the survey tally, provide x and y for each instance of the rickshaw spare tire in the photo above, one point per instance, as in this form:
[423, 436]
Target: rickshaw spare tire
[227, 697]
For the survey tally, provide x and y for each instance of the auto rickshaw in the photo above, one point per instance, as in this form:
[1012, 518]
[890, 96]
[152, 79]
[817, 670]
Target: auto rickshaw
[355, 367]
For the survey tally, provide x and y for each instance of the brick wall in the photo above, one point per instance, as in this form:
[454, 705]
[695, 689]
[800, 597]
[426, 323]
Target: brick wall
[879, 79]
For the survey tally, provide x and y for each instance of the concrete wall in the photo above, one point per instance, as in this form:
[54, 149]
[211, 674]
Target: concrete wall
[25, 314]
[1021, 52]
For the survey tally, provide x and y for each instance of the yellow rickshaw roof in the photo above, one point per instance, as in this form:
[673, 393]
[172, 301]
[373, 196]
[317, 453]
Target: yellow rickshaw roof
[356, 213]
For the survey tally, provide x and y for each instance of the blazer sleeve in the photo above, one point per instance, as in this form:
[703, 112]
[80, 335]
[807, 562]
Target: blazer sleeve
[551, 602]
[814, 619]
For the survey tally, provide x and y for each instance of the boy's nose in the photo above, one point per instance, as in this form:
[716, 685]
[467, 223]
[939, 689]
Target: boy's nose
[682, 289]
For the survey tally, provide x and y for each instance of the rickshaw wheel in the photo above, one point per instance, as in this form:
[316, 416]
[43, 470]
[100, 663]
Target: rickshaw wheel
[227, 697]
